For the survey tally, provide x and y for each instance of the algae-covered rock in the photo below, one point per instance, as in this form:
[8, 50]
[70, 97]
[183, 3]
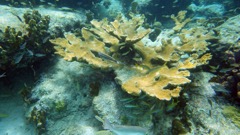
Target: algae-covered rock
[110, 106]
[233, 113]
[228, 31]
[212, 10]
[204, 108]
[226, 60]
[60, 105]
[63, 92]
[178, 128]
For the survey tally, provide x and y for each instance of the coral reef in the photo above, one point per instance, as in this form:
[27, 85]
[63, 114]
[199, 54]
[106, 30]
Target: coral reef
[204, 109]
[121, 38]
[180, 20]
[155, 83]
[158, 71]
[37, 29]
[226, 58]
[64, 94]
[213, 10]
[21, 48]
[108, 8]
[14, 40]
[228, 31]
[115, 69]
[228, 70]
[155, 9]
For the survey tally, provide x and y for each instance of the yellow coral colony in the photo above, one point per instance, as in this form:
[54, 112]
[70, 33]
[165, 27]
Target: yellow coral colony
[180, 20]
[121, 40]
[72, 48]
[155, 82]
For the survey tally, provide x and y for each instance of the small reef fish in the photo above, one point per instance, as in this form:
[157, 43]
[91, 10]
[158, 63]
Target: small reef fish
[176, 1]
[46, 39]
[131, 106]
[3, 75]
[23, 46]
[170, 107]
[225, 70]
[23, 3]
[18, 57]
[219, 88]
[40, 55]
[122, 129]
[30, 53]
[104, 56]
[3, 115]
[19, 18]
[66, 9]
[51, 4]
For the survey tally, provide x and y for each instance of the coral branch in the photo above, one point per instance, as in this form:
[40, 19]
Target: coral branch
[159, 71]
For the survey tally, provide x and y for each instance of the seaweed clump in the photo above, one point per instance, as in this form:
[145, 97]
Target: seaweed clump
[22, 48]
[157, 71]
[38, 116]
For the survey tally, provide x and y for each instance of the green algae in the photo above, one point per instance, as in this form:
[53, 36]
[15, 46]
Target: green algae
[233, 113]
[60, 105]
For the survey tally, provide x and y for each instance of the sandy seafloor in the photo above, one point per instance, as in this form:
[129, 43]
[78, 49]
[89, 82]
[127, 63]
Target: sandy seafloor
[12, 104]
[15, 123]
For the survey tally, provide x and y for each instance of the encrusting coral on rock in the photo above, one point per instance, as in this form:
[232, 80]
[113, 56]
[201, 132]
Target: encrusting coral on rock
[159, 71]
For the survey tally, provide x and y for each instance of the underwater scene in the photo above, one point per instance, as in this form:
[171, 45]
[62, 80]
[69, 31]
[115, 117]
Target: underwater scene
[119, 67]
